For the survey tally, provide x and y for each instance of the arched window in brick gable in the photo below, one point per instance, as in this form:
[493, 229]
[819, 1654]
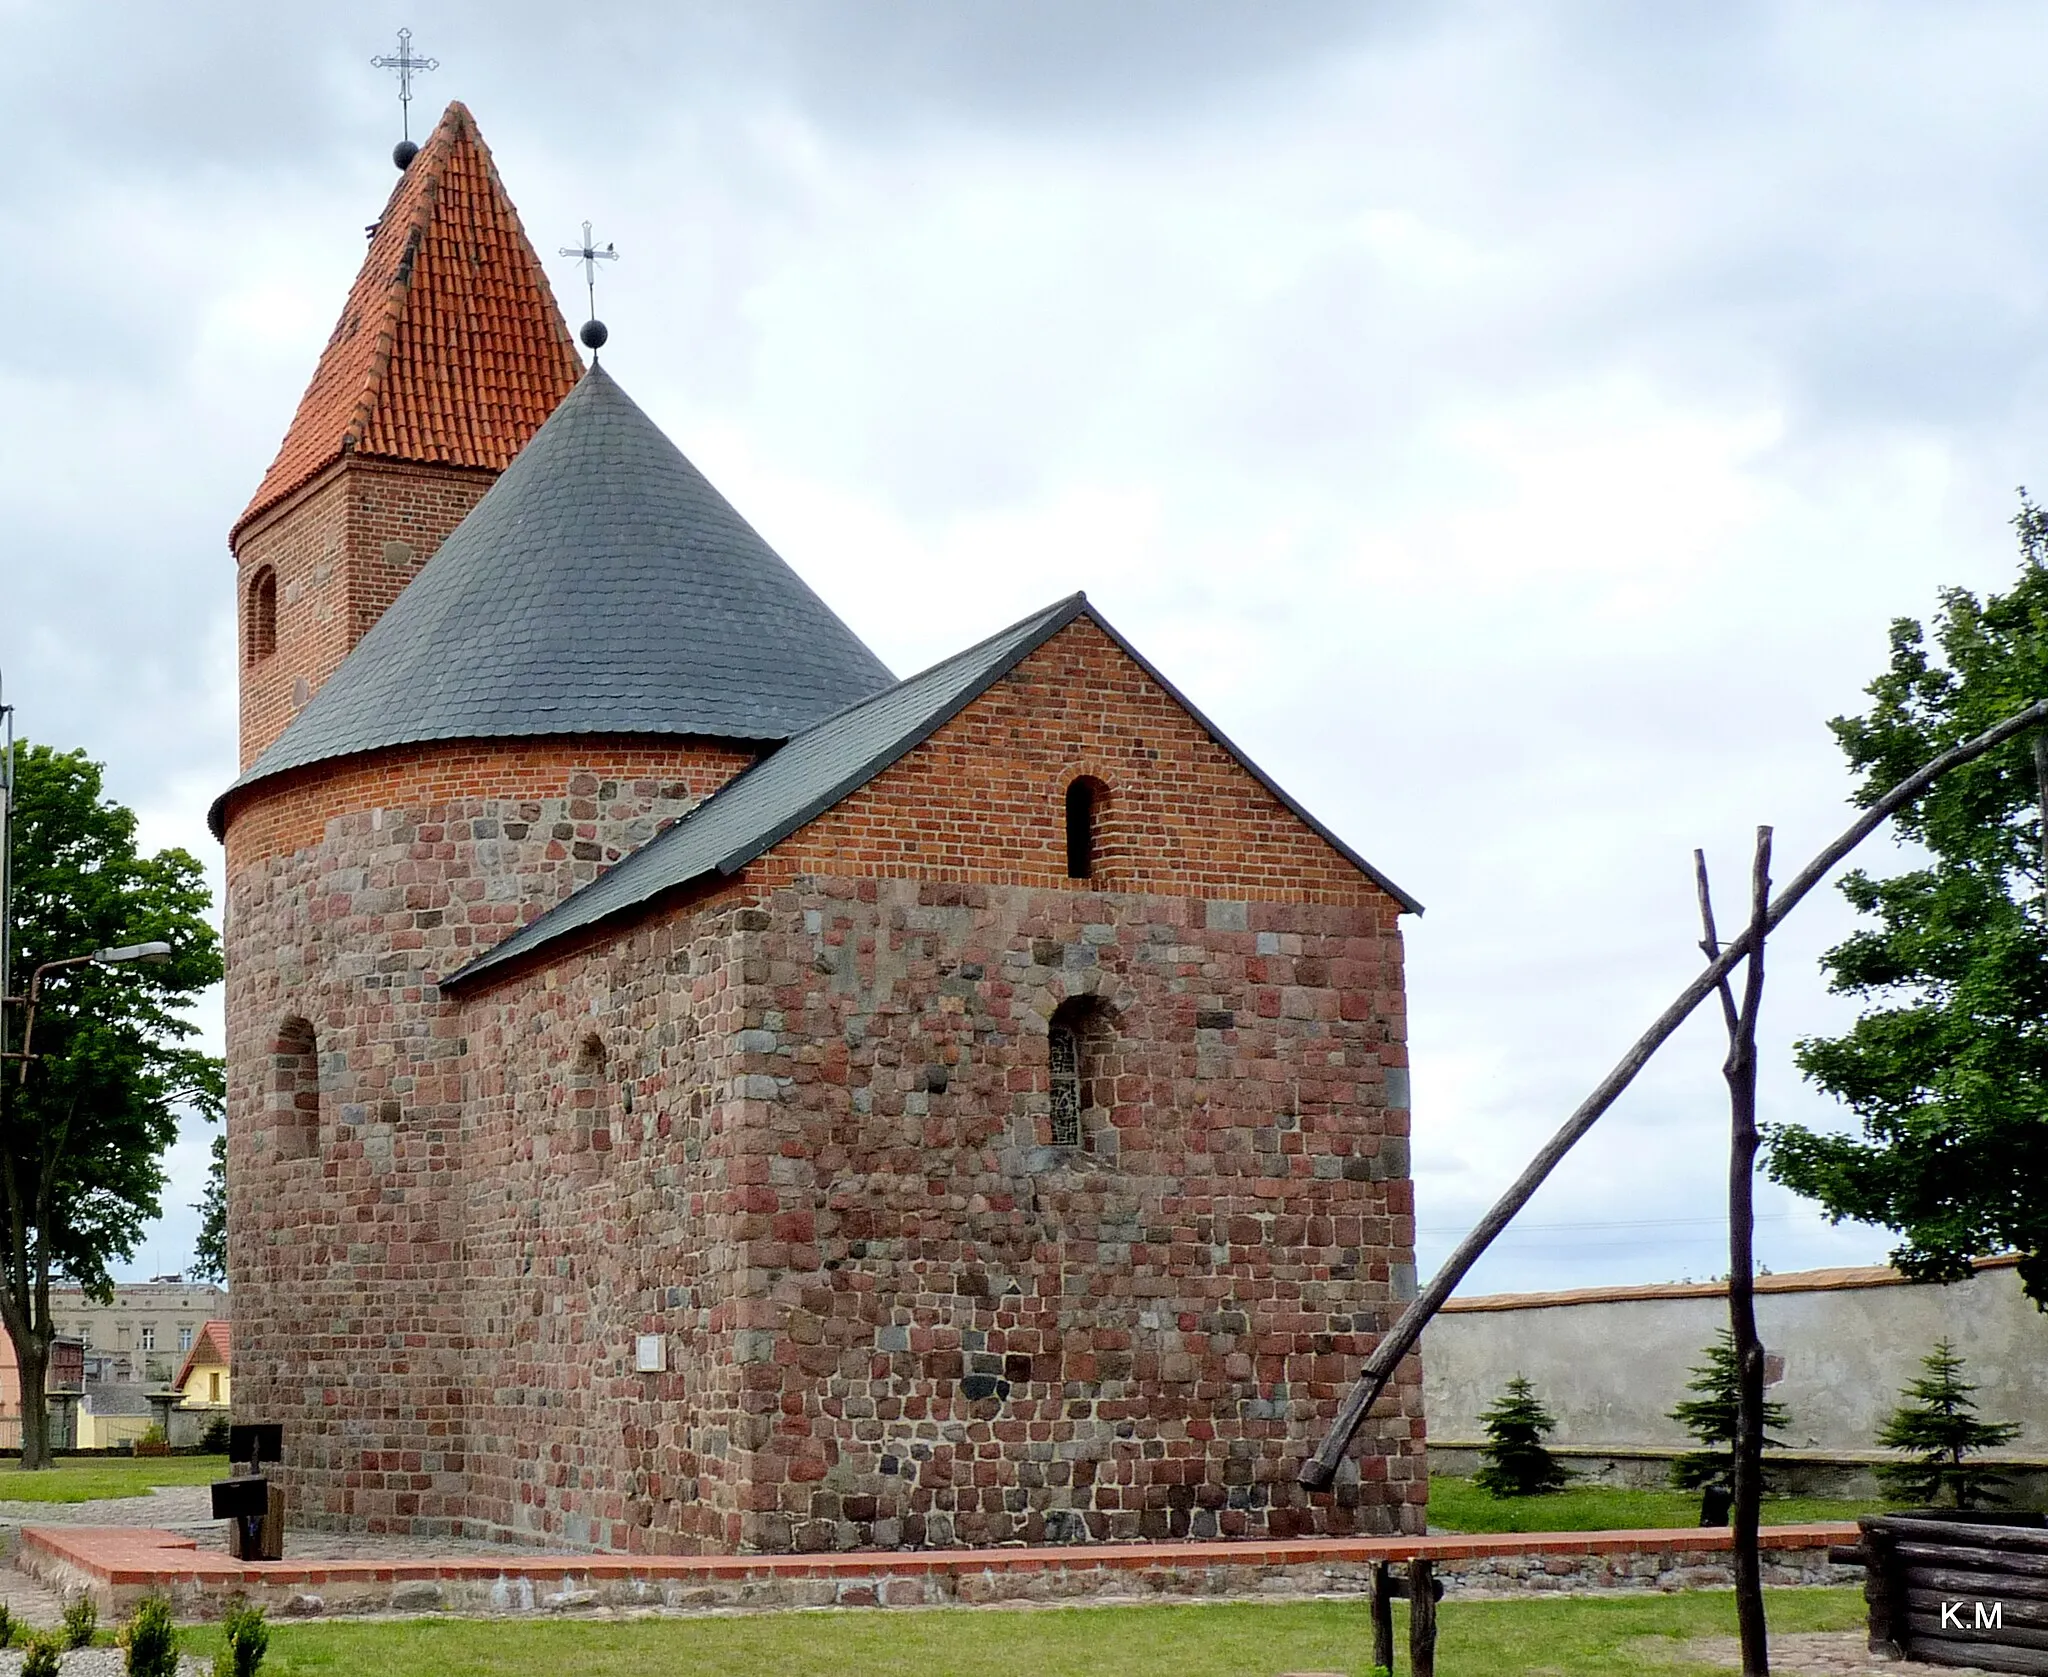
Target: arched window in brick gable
[1080, 1046]
[295, 1090]
[1085, 799]
[262, 629]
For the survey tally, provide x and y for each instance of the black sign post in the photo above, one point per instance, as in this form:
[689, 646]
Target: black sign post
[247, 1500]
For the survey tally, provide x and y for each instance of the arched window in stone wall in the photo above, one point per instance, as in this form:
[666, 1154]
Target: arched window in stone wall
[1080, 1042]
[262, 615]
[1085, 799]
[295, 1090]
[589, 1095]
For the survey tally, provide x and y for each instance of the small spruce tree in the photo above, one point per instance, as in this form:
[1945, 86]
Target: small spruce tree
[1710, 1418]
[1516, 1463]
[1938, 1428]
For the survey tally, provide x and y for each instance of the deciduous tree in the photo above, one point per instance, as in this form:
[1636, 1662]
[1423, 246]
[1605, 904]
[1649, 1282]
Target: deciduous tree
[1947, 1069]
[210, 1250]
[83, 1134]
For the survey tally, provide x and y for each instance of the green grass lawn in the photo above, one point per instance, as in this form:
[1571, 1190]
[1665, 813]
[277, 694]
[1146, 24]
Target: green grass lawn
[1460, 1505]
[1586, 1637]
[88, 1478]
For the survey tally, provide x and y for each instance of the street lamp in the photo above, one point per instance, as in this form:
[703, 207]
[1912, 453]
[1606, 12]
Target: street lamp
[149, 954]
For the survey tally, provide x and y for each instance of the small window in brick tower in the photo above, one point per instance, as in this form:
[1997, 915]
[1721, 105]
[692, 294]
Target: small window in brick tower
[295, 1090]
[1084, 808]
[262, 615]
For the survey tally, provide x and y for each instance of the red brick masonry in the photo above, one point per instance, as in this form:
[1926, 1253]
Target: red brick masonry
[118, 1565]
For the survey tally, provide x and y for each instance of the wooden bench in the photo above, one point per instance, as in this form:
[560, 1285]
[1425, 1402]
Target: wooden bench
[1956, 1588]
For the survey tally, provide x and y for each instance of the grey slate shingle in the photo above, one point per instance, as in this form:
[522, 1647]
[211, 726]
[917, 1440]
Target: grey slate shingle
[759, 808]
[601, 586]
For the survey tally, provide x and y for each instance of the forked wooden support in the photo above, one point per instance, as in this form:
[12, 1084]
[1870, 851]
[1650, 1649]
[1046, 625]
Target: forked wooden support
[1422, 1590]
[1320, 1468]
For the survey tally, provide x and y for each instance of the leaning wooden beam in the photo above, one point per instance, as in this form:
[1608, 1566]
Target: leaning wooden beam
[1321, 1467]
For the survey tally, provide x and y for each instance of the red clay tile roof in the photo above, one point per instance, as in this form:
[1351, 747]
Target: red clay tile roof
[451, 350]
[221, 1337]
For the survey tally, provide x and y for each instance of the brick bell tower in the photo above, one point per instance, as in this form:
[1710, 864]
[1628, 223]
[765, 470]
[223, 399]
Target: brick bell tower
[449, 355]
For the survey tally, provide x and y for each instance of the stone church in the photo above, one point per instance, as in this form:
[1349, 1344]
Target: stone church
[693, 1091]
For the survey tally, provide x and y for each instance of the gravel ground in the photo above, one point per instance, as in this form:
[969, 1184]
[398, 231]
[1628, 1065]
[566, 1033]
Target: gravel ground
[173, 1507]
[97, 1662]
[1819, 1653]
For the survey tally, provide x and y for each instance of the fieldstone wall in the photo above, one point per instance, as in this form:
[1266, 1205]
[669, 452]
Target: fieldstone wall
[346, 1163]
[809, 1145]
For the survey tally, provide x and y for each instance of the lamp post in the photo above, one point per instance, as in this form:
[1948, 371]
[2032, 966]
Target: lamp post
[154, 954]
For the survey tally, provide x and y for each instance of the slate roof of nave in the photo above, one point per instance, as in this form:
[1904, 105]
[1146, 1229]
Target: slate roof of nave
[760, 807]
[601, 586]
[451, 349]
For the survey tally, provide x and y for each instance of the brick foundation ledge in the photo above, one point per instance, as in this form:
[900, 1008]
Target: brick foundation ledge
[117, 1566]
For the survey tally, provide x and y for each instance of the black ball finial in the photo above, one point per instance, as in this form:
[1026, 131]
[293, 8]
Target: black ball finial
[594, 334]
[404, 152]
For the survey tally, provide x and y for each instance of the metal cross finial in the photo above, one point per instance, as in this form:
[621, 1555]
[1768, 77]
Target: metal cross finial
[590, 256]
[405, 64]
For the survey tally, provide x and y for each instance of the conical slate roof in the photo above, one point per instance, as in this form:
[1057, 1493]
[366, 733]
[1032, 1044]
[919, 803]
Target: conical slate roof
[602, 586]
[450, 350]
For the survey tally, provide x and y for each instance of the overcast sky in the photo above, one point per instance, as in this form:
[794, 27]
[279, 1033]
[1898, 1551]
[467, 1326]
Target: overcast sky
[1515, 424]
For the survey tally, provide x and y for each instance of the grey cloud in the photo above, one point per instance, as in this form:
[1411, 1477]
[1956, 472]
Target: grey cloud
[1188, 286]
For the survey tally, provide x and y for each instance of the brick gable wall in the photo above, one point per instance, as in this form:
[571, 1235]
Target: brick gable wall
[983, 800]
[896, 1312]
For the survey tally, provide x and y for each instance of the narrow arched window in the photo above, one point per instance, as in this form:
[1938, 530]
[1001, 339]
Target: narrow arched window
[1063, 1054]
[589, 1102]
[295, 1090]
[262, 614]
[1080, 1044]
[1083, 803]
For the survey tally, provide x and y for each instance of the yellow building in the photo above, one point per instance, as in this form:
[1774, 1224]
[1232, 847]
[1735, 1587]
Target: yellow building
[202, 1381]
[110, 1416]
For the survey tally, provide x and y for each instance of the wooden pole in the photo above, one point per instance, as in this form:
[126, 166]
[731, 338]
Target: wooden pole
[1320, 1468]
[1383, 1615]
[1740, 1071]
[1421, 1618]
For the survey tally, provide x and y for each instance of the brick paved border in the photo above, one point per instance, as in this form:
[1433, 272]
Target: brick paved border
[118, 1565]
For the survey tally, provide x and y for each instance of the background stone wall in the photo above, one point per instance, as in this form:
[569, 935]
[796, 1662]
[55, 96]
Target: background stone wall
[1610, 1362]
